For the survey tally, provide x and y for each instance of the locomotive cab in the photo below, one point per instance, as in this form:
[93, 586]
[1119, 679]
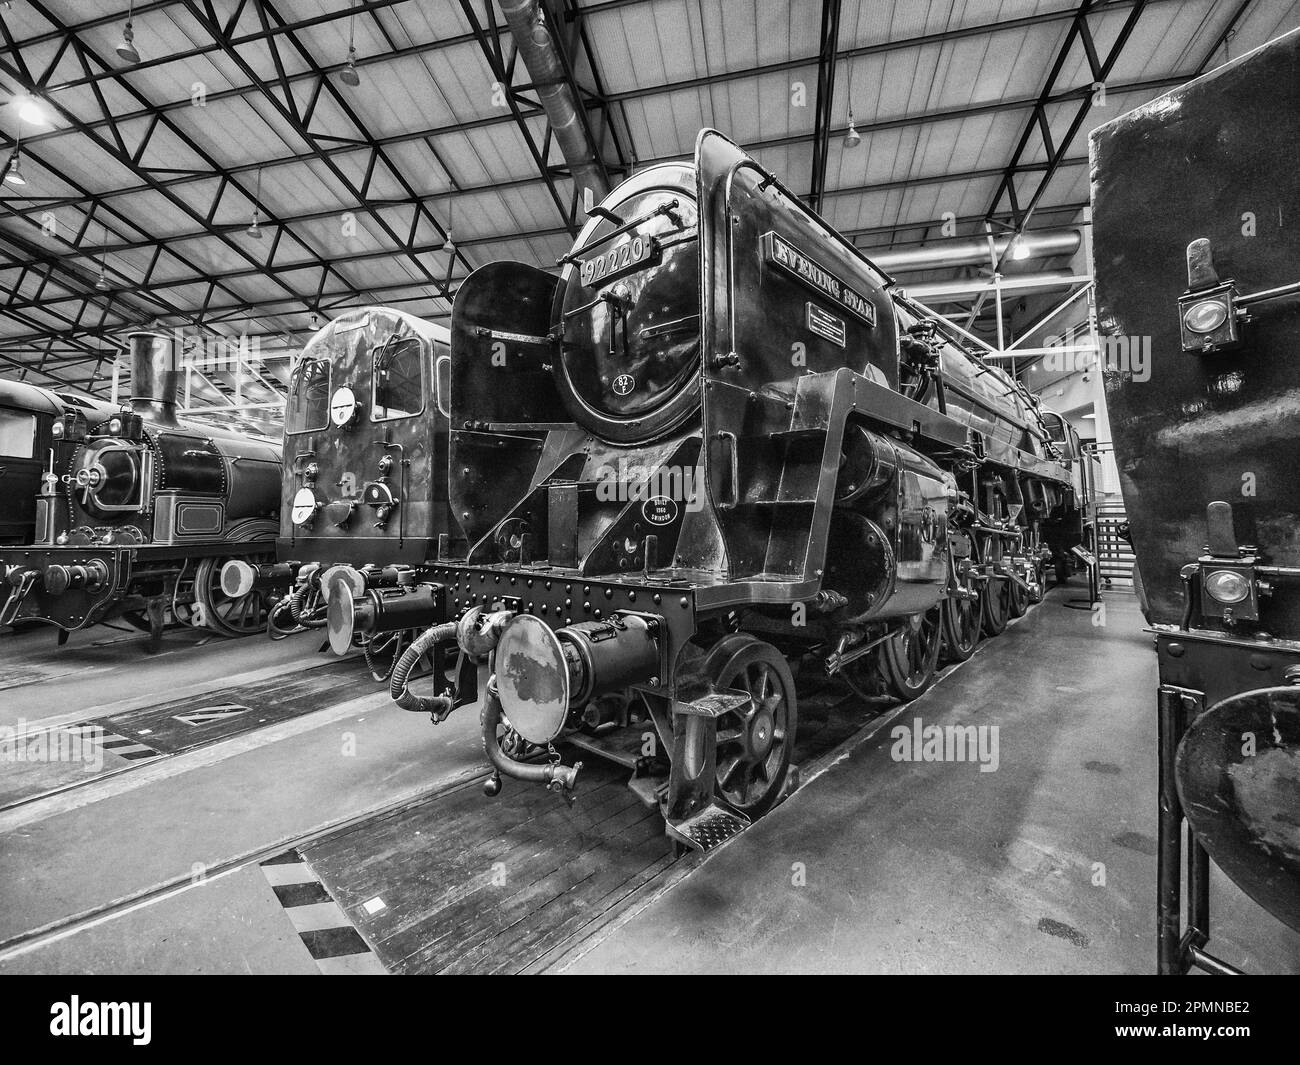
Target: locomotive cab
[369, 377]
[26, 417]
[365, 476]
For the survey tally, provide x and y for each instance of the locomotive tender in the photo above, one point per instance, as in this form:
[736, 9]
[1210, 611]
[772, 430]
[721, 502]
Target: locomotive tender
[137, 511]
[1195, 199]
[364, 485]
[720, 441]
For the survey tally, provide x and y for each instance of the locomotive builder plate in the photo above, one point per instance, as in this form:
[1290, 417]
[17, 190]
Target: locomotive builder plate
[659, 510]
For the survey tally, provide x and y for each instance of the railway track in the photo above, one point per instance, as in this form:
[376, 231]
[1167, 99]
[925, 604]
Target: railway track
[114, 742]
[439, 879]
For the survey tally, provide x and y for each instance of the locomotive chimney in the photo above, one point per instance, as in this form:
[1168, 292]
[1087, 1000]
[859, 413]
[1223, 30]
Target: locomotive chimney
[155, 375]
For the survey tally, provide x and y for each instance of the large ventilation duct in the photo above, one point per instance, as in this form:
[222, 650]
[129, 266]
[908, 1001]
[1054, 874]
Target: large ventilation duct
[541, 56]
[1020, 285]
[974, 251]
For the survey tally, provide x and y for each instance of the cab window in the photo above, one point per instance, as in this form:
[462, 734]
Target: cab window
[442, 377]
[1060, 433]
[309, 397]
[397, 380]
[1055, 426]
[17, 434]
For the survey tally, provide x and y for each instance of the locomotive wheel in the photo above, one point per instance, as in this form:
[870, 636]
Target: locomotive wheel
[1063, 567]
[1017, 600]
[962, 621]
[997, 590]
[1040, 578]
[242, 615]
[754, 742]
[909, 658]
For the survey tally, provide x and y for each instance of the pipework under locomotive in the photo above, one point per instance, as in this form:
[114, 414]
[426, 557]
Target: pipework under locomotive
[720, 441]
[137, 511]
[364, 485]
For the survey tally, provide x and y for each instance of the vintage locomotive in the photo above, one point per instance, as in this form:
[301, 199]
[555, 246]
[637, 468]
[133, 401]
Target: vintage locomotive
[136, 512]
[1195, 204]
[364, 485]
[719, 442]
[27, 417]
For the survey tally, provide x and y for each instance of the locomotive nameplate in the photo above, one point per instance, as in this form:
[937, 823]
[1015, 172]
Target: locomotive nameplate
[627, 258]
[825, 325]
[779, 252]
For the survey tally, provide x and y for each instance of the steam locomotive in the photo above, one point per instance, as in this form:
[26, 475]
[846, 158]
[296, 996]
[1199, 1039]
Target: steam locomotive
[719, 442]
[364, 486]
[1195, 200]
[27, 417]
[136, 512]
[27, 414]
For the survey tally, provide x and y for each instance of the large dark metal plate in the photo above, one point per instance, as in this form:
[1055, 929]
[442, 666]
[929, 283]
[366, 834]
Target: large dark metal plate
[1215, 158]
[1245, 807]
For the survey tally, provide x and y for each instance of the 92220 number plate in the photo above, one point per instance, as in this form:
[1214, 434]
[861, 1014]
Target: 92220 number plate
[627, 258]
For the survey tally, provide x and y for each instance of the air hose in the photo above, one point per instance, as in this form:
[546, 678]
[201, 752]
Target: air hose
[279, 631]
[560, 778]
[295, 608]
[436, 706]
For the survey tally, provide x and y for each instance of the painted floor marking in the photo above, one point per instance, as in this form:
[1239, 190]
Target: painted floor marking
[219, 712]
[330, 938]
[95, 734]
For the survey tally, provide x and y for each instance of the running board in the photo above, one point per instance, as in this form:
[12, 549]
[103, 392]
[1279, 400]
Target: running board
[707, 829]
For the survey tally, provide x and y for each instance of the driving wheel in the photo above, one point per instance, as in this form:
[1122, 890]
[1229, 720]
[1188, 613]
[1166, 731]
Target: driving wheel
[753, 742]
[962, 620]
[910, 657]
[1018, 597]
[997, 589]
[241, 615]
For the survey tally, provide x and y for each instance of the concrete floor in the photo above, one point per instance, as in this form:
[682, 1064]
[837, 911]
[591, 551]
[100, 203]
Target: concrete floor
[875, 866]
[108, 840]
[1046, 865]
[102, 670]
